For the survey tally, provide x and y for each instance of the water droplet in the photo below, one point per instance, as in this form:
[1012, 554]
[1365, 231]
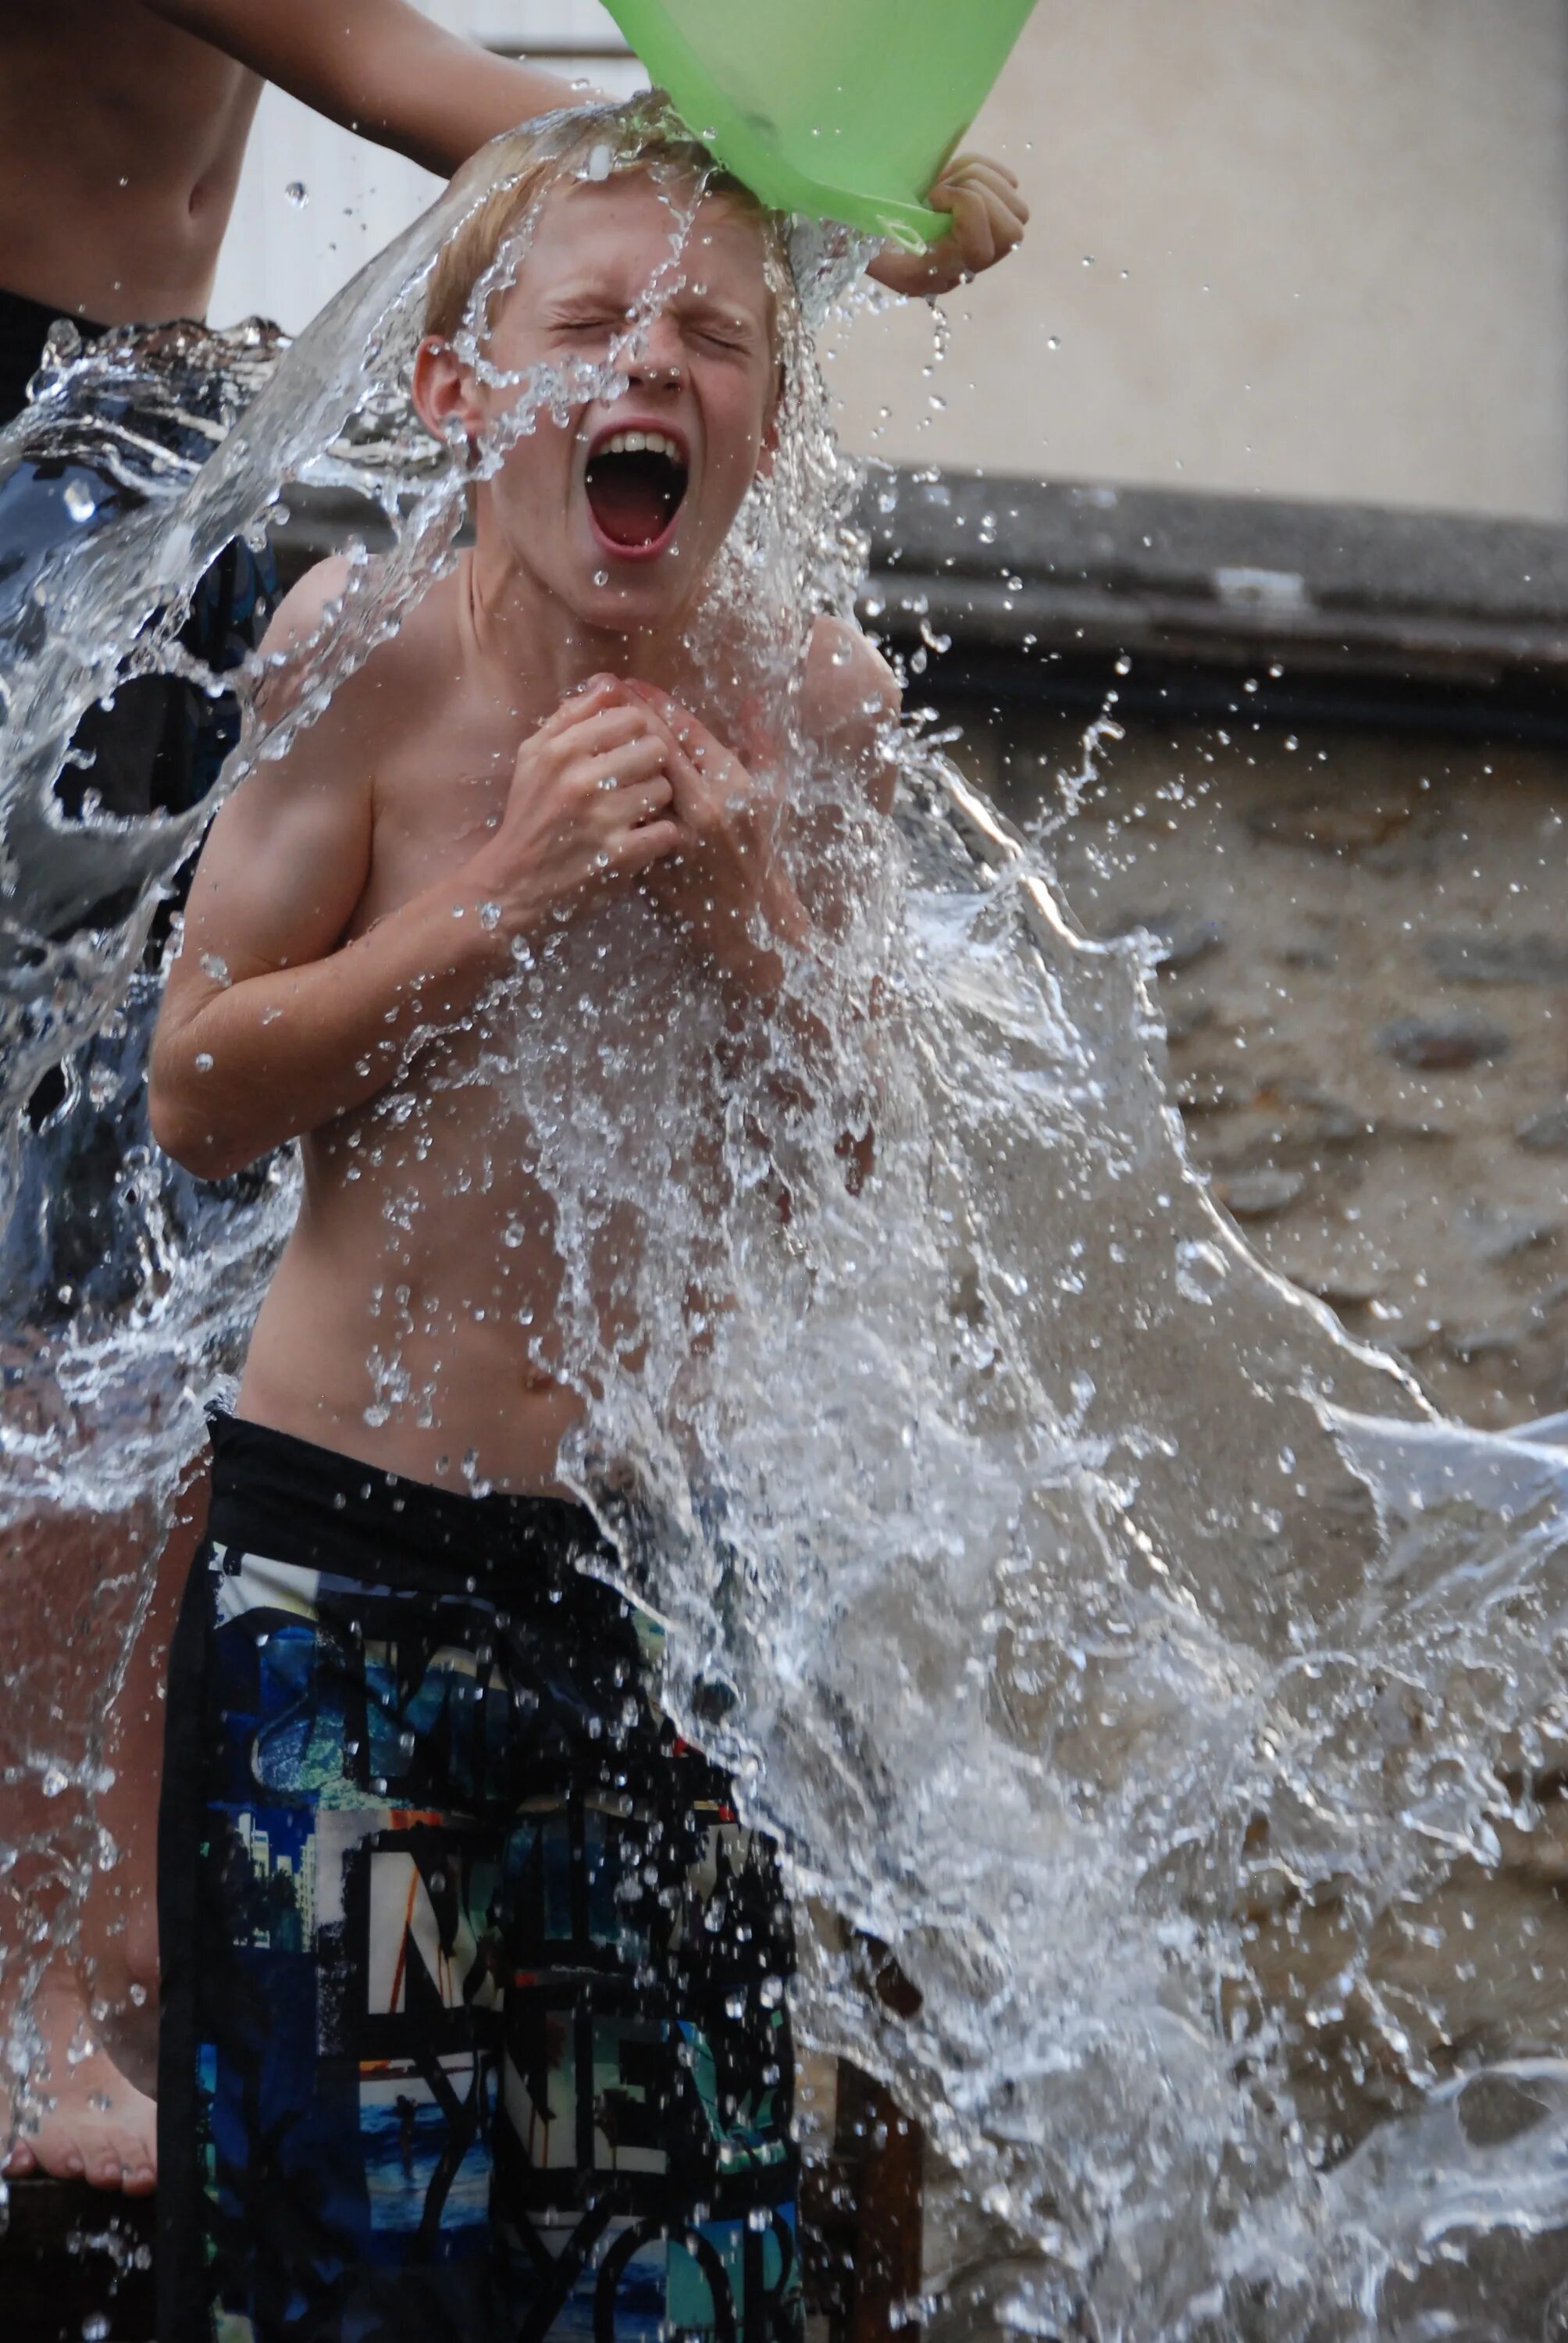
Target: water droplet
[80, 501]
[298, 194]
[204, 1061]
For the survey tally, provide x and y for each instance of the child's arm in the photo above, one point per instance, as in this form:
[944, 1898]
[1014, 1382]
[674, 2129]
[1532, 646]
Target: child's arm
[272, 1024]
[379, 67]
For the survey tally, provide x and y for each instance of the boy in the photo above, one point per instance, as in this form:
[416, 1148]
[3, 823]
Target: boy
[474, 2012]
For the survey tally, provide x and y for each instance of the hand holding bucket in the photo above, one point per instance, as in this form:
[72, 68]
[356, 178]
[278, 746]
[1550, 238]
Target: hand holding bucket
[841, 109]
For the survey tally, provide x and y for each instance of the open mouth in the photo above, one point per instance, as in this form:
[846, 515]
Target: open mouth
[635, 484]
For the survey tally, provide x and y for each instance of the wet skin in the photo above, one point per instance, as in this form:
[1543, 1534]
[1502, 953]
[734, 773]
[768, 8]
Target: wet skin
[123, 127]
[460, 768]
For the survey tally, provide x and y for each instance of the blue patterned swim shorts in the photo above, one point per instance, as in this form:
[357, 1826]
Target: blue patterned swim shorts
[474, 2016]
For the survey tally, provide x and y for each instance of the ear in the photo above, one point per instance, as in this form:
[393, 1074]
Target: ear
[446, 396]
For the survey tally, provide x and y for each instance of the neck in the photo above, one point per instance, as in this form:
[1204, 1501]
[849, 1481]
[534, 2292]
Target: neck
[547, 651]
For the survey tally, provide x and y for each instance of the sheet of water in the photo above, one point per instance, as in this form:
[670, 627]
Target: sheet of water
[1135, 1656]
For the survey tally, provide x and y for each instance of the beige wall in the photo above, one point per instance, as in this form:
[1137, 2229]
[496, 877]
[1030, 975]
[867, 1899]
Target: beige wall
[1330, 241]
[1329, 246]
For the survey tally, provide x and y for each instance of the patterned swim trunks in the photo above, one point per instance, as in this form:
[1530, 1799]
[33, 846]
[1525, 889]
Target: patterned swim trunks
[474, 2020]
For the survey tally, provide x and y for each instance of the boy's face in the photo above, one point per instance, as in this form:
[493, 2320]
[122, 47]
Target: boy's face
[620, 512]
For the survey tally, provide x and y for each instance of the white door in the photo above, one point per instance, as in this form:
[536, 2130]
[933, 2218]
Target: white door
[315, 202]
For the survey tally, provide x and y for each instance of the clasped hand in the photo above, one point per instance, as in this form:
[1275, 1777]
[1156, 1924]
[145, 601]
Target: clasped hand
[716, 880]
[624, 784]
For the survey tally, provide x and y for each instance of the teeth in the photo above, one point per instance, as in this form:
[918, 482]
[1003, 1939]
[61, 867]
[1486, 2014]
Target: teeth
[637, 443]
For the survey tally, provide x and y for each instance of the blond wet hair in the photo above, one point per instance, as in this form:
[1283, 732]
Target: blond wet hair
[599, 143]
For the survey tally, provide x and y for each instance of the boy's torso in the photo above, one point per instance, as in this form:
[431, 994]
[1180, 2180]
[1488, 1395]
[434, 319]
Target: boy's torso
[414, 1319]
[121, 142]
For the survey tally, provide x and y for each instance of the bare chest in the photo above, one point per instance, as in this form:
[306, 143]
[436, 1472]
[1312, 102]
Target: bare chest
[438, 794]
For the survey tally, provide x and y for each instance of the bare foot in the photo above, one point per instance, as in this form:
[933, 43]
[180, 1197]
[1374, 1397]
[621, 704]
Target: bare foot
[90, 2124]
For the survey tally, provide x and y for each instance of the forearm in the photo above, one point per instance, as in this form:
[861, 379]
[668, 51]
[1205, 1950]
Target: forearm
[275, 1055]
[379, 67]
[438, 99]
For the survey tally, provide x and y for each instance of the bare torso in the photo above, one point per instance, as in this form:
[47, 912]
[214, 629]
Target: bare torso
[121, 141]
[412, 1321]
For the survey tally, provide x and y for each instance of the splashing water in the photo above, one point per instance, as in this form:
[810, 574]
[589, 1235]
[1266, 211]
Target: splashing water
[1133, 1655]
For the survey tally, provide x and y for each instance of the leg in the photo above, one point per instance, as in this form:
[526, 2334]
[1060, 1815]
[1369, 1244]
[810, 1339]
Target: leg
[887, 2145]
[119, 1924]
[89, 2118]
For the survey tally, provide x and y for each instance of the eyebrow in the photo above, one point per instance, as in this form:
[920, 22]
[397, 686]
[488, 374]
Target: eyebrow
[707, 305]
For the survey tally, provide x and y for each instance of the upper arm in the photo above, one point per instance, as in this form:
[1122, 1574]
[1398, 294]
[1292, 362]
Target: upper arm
[287, 861]
[377, 66]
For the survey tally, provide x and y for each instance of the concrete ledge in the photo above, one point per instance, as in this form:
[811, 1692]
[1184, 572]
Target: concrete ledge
[993, 586]
[1374, 615]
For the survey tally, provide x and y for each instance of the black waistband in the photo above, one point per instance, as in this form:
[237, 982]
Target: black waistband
[285, 1498]
[24, 329]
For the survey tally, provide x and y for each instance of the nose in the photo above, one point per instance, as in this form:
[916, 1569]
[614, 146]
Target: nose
[657, 357]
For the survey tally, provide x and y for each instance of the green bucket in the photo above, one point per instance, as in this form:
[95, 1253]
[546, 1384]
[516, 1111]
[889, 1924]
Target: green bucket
[841, 109]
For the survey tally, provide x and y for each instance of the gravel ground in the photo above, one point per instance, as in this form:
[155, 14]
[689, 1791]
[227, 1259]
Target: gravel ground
[1365, 976]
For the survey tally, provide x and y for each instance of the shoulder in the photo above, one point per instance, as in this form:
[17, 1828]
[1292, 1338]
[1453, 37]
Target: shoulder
[307, 607]
[849, 698]
[849, 686]
[385, 685]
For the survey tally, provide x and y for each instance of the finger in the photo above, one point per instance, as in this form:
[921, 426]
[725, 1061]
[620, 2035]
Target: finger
[593, 695]
[639, 805]
[686, 773]
[965, 166]
[972, 227]
[682, 724]
[1006, 230]
[626, 767]
[1000, 188]
[612, 728]
[649, 842]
